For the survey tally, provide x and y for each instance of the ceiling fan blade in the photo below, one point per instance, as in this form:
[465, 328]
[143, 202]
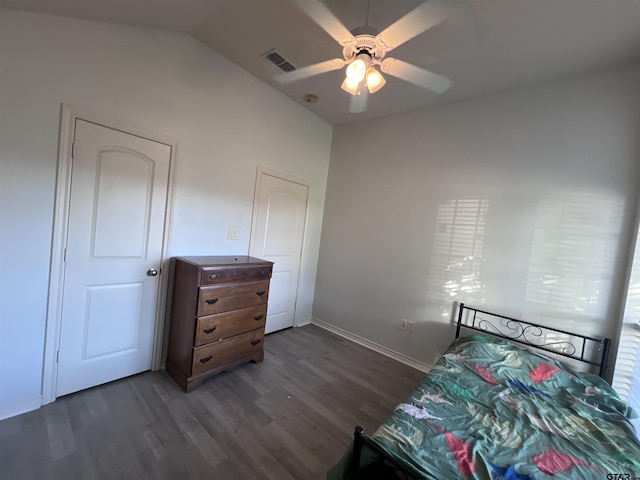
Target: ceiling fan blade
[416, 75]
[310, 71]
[417, 21]
[320, 14]
[358, 103]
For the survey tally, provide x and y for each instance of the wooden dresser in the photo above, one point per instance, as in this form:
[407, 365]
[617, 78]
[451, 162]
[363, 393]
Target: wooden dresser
[218, 313]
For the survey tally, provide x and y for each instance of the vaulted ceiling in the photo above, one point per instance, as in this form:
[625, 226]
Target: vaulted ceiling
[484, 46]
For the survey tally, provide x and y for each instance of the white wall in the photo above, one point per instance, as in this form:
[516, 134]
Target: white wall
[226, 121]
[552, 173]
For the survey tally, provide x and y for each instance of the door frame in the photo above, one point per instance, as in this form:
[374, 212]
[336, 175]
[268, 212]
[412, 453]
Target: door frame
[68, 116]
[260, 170]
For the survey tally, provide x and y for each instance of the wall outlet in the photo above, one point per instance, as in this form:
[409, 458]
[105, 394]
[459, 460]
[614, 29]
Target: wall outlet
[411, 325]
[404, 324]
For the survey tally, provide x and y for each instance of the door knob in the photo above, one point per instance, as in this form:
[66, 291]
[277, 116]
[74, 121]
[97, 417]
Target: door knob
[152, 272]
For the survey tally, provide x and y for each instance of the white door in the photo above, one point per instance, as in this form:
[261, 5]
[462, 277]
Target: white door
[277, 235]
[114, 247]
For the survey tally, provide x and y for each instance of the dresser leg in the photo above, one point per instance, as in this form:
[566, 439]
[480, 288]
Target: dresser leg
[258, 358]
[177, 375]
[193, 384]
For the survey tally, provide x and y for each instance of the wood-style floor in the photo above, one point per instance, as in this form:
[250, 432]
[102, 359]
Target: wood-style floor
[290, 417]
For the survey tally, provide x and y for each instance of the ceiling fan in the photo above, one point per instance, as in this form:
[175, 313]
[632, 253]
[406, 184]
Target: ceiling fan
[364, 49]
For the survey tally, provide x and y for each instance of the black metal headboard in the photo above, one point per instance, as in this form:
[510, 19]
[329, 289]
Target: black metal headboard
[588, 350]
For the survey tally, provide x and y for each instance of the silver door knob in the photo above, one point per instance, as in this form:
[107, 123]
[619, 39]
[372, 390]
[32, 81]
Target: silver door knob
[152, 272]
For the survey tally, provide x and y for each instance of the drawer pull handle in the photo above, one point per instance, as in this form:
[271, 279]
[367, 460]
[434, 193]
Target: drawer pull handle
[263, 273]
[257, 318]
[211, 301]
[254, 343]
[260, 293]
[206, 359]
[213, 276]
[210, 330]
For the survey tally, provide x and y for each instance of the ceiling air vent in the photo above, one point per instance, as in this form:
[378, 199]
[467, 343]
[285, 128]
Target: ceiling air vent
[274, 57]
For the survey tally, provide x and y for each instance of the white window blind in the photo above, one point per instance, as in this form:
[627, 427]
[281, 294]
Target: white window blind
[626, 377]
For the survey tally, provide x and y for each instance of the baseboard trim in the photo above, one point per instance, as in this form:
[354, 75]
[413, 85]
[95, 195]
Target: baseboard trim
[376, 347]
[19, 408]
[303, 322]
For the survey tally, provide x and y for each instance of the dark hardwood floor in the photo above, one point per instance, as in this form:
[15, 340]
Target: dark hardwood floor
[290, 417]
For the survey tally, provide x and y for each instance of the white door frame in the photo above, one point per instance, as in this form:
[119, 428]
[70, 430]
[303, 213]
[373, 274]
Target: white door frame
[254, 219]
[68, 117]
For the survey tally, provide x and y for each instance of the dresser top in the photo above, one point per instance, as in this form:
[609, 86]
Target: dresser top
[224, 260]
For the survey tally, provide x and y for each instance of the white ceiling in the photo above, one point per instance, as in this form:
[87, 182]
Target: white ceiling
[484, 46]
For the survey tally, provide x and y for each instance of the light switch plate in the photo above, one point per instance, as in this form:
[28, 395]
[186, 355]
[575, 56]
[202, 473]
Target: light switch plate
[233, 234]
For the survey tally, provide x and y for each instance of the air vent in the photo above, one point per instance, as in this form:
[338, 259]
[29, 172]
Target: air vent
[287, 67]
[278, 60]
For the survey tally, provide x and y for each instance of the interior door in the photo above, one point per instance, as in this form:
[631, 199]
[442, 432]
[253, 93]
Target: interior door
[280, 215]
[115, 232]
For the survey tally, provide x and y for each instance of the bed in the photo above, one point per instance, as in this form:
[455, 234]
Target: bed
[500, 404]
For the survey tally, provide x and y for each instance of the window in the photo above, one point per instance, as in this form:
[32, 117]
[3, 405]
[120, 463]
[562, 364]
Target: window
[626, 377]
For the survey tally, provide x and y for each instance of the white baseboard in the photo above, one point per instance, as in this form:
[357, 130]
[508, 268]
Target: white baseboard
[25, 406]
[400, 357]
[303, 322]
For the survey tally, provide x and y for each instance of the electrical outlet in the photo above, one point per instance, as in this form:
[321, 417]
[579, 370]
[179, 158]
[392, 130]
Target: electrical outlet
[411, 325]
[404, 324]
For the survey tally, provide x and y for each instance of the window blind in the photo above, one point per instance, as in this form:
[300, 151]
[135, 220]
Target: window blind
[626, 376]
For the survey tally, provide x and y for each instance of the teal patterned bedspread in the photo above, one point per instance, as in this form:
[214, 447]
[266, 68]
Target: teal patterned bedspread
[492, 410]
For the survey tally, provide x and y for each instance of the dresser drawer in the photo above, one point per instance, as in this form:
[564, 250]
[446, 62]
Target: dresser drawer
[225, 351]
[220, 299]
[215, 275]
[223, 325]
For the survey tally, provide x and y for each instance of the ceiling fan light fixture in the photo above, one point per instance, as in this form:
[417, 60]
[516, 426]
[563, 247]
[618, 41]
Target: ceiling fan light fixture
[375, 80]
[356, 70]
[351, 86]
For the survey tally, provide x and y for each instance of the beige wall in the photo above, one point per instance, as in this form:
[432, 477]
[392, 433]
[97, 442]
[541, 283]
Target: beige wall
[226, 122]
[520, 202]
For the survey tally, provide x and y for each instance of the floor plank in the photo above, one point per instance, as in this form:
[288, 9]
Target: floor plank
[290, 417]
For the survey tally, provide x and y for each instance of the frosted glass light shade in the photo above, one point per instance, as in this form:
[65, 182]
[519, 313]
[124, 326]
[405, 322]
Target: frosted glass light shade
[356, 70]
[375, 80]
[351, 86]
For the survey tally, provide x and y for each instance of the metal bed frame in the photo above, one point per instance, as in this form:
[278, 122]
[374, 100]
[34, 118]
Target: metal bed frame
[591, 351]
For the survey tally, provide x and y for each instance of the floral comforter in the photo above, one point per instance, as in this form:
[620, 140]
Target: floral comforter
[492, 410]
